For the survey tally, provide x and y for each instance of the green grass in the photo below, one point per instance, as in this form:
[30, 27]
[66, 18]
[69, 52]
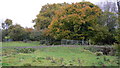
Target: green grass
[55, 56]
[20, 43]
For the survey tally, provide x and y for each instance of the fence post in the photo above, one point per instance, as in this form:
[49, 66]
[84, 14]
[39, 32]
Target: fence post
[82, 41]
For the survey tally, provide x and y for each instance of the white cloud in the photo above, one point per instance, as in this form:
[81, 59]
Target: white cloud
[24, 11]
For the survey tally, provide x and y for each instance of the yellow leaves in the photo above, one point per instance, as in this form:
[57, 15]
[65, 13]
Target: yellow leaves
[60, 24]
[73, 20]
[90, 28]
[55, 20]
[63, 17]
[46, 32]
[28, 29]
[58, 30]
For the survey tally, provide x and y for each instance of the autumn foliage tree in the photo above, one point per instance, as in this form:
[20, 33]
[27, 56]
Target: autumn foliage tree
[45, 16]
[77, 21]
[74, 21]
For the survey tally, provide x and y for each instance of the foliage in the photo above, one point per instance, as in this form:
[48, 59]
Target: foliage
[117, 47]
[7, 23]
[74, 21]
[102, 35]
[99, 53]
[118, 35]
[25, 50]
[36, 35]
[108, 19]
[45, 16]
[16, 32]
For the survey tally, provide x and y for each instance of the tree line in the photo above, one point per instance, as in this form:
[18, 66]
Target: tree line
[76, 21]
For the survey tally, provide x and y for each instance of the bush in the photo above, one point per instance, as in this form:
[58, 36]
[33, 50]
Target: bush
[99, 53]
[25, 50]
[117, 47]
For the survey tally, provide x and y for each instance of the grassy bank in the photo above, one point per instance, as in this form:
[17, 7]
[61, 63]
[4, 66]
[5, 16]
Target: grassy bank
[54, 56]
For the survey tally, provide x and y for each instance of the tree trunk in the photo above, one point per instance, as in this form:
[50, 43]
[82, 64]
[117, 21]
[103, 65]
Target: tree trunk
[118, 4]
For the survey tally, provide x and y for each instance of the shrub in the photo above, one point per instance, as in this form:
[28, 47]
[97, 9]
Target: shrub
[25, 50]
[40, 58]
[117, 47]
[106, 59]
[99, 53]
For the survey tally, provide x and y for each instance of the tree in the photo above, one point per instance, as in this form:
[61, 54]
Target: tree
[108, 19]
[45, 16]
[102, 35]
[7, 24]
[108, 23]
[118, 4]
[108, 6]
[17, 33]
[118, 35]
[0, 35]
[74, 21]
[28, 32]
[118, 29]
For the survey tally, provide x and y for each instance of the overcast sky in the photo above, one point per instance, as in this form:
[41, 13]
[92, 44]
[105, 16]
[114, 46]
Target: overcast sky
[24, 11]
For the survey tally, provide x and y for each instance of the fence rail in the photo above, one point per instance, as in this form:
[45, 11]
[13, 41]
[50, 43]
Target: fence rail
[65, 42]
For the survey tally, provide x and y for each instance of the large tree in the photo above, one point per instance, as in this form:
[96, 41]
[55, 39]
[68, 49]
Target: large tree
[74, 21]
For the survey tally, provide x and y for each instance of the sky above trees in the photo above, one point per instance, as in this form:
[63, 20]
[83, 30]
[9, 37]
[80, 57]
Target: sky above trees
[24, 11]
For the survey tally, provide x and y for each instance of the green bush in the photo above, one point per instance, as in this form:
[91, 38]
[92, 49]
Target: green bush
[25, 50]
[117, 48]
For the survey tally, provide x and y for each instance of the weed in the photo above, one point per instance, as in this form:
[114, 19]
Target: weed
[61, 60]
[99, 53]
[100, 63]
[53, 61]
[27, 64]
[79, 61]
[25, 50]
[49, 58]
[39, 59]
[105, 59]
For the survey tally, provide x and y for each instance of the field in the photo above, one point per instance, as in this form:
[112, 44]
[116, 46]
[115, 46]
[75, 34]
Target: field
[52, 56]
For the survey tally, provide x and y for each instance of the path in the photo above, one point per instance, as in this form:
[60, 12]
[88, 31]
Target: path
[55, 46]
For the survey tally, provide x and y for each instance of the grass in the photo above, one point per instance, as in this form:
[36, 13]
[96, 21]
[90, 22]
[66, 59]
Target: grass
[20, 43]
[54, 56]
